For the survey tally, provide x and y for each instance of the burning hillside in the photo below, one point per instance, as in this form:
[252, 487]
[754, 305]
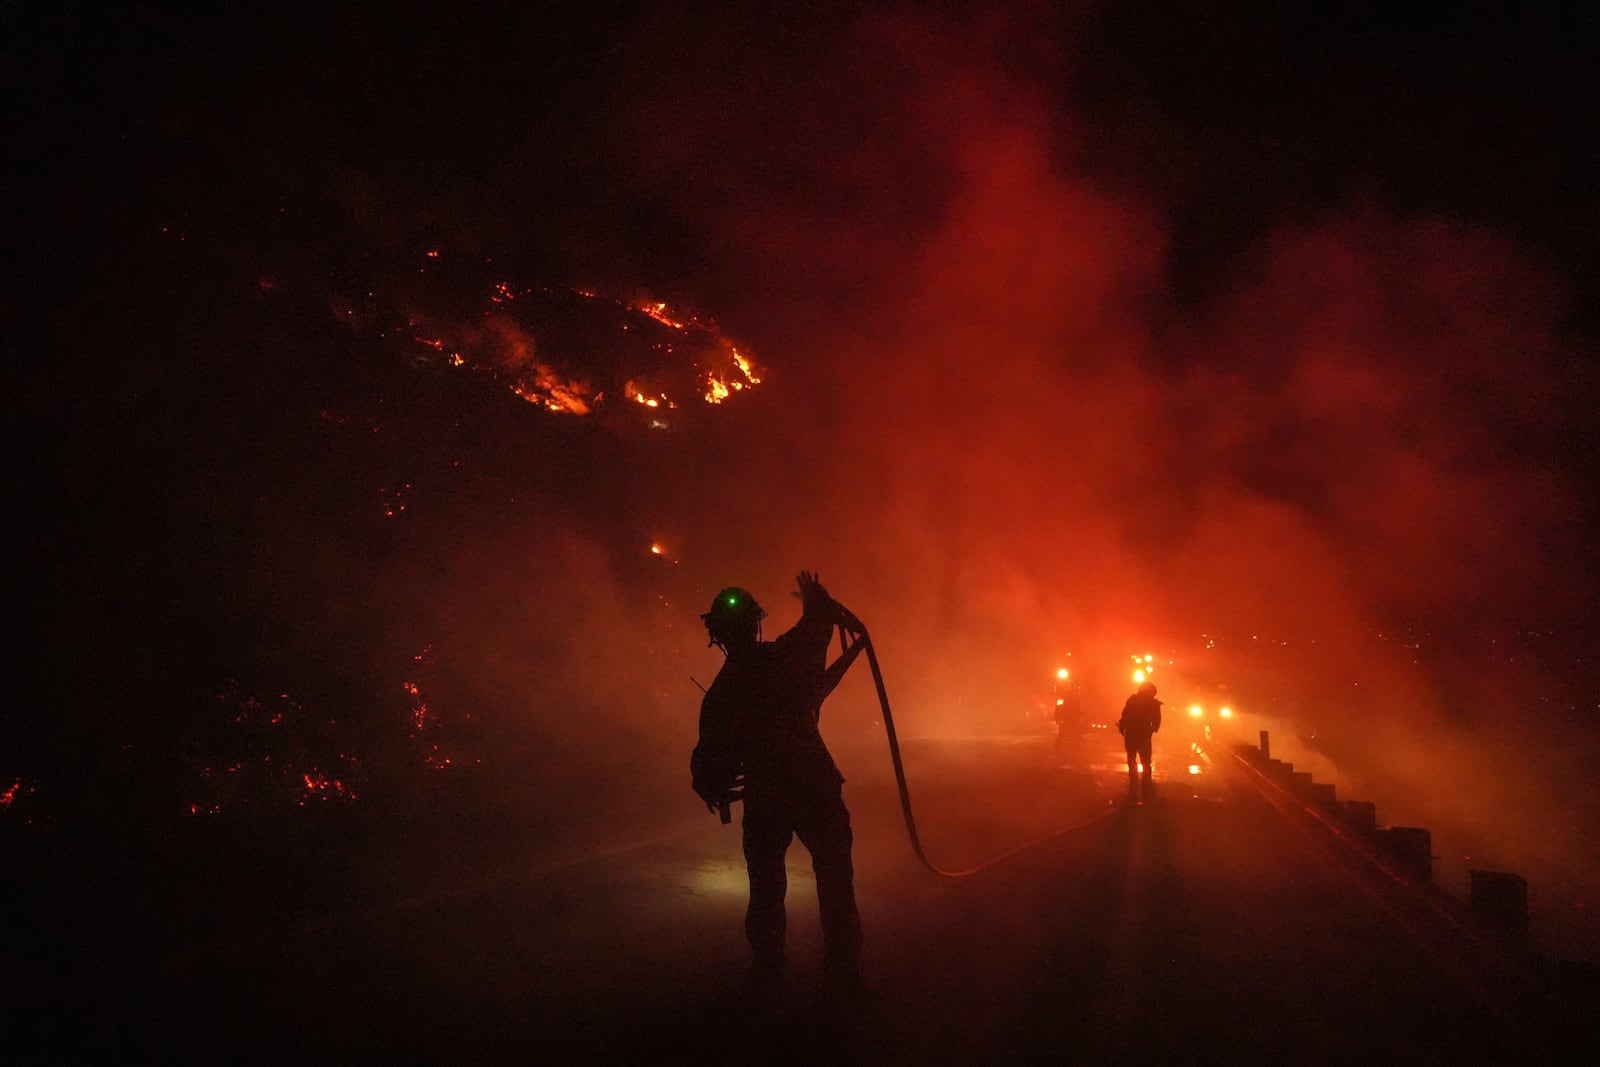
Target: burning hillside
[337, 546]
[567, 350]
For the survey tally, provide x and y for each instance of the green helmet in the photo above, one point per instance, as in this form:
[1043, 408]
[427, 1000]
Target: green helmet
[733, 611]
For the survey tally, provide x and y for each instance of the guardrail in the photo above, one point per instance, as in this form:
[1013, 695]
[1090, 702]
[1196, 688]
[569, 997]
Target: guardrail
[1499, 899]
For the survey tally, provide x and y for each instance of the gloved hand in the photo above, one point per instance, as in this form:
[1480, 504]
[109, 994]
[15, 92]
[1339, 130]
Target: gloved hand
[813, 594]
[717, 797]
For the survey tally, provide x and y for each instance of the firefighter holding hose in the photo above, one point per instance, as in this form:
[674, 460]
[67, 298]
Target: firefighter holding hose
[760, 743]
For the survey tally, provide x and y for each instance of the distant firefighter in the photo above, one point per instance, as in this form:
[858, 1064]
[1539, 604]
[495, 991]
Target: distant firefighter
[1069, 714]
[1141, 719]
[760, 742]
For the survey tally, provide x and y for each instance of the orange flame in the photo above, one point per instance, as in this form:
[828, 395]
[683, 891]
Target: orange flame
[505, 348]
[554, 393]
[658, 310]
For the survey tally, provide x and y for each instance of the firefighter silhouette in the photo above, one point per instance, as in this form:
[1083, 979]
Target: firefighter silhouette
[1141, 718]
[759, 742]
[1069, 714]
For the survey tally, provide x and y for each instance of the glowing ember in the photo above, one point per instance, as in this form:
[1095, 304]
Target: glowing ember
[427, 726]
[394, 500]
[419, 707]
[320, 786]
[275, 752]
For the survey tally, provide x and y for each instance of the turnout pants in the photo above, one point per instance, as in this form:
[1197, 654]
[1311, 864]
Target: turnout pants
[818, 817]
[1138, 749]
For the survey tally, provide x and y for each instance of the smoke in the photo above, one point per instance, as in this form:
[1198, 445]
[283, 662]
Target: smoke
[1038, 446]
[1001, 439]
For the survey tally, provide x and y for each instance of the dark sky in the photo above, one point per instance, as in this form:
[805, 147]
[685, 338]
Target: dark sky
[1086, 325]
[618, 133]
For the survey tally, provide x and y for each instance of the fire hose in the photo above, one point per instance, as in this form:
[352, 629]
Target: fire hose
[905, 793]
[863, 643]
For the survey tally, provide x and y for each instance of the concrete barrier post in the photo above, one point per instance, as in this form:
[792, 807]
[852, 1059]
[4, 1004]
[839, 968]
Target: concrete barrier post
[1501, 899]
[1361, 815]
[1411, 847]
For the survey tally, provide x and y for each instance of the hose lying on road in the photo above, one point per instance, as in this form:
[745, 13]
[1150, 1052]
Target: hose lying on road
[905, 793]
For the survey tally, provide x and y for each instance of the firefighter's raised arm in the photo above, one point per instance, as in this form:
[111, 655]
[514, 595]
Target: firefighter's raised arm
[813, 594]
[815, 599]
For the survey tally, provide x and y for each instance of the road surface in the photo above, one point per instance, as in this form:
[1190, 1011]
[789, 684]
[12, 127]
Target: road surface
[1215, 923]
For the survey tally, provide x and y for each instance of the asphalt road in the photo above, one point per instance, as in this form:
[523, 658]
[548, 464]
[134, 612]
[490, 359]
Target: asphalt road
[1213, 923]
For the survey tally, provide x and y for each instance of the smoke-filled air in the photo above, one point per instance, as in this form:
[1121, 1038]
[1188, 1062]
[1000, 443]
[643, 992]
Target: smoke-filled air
[398, 445]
